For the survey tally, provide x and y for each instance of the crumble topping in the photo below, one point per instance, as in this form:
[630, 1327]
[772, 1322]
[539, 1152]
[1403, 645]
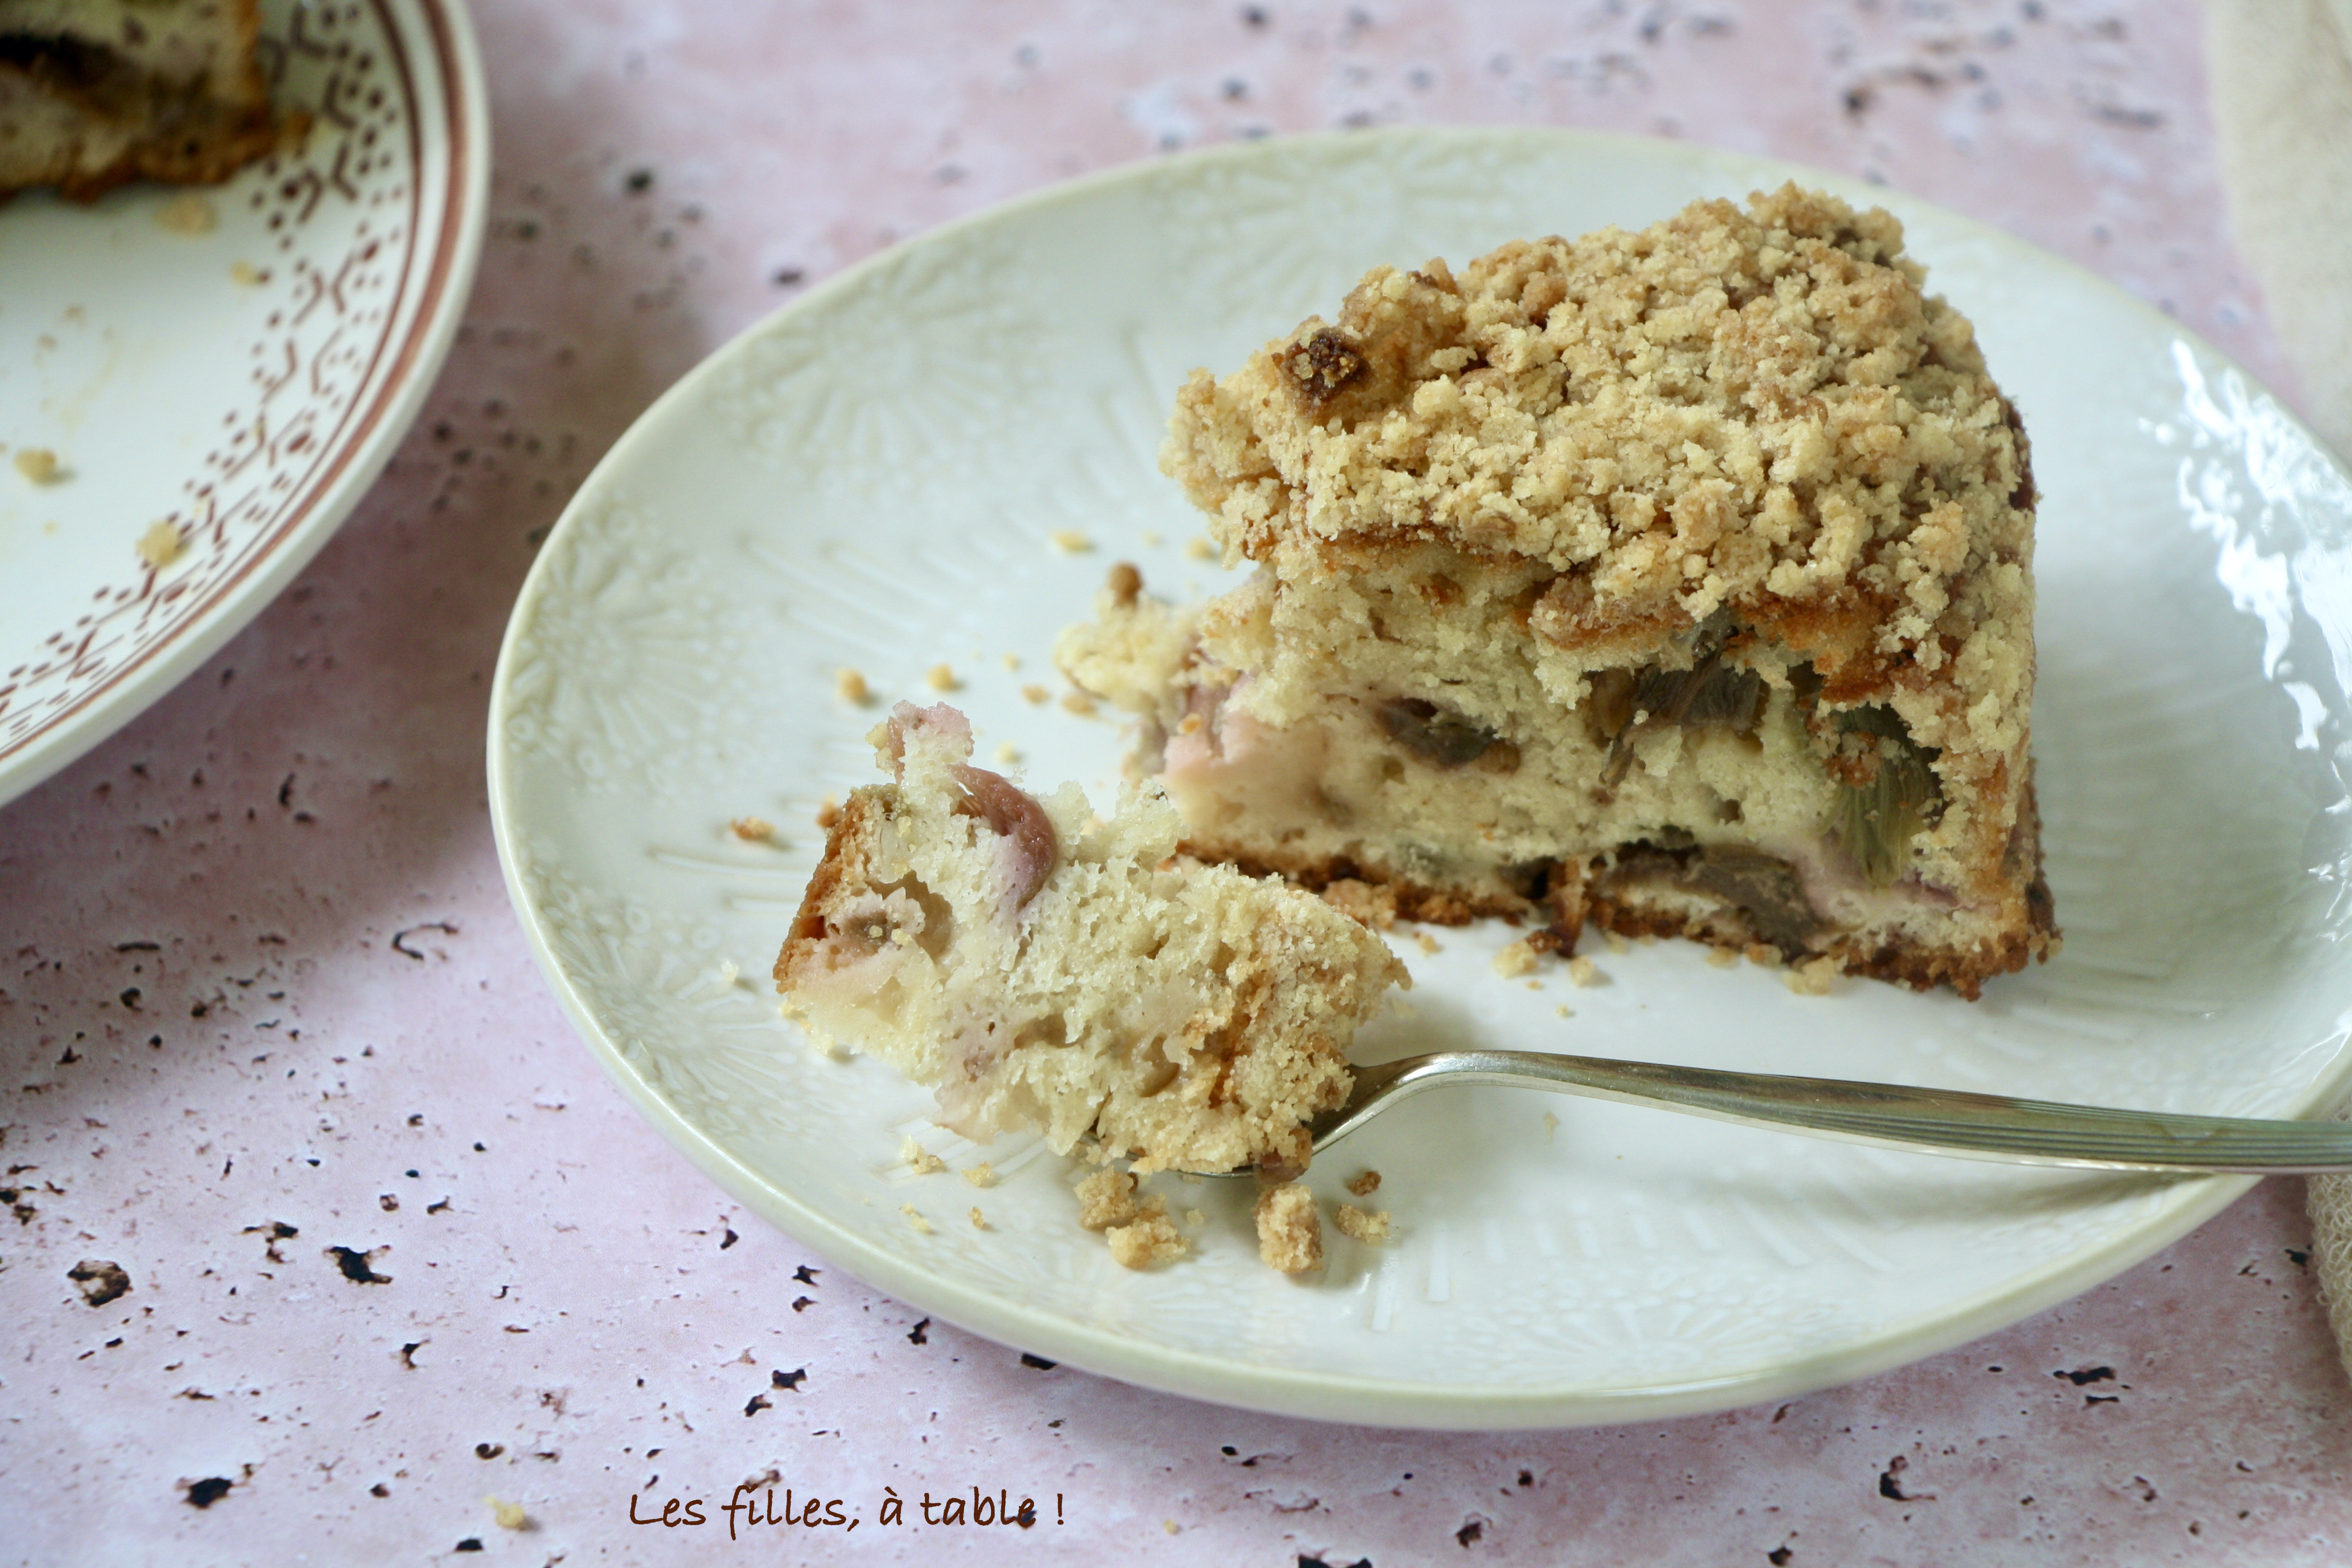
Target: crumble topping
[1758, 410]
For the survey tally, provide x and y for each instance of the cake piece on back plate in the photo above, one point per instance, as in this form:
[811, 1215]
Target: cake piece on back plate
[1040, 969]
[1679, 581]
[94, 93]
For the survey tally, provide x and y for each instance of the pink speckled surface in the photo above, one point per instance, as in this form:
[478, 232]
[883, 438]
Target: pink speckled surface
[222, 1060]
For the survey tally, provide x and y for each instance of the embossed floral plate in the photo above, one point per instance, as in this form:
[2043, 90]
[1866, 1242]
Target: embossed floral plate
[235, 363]
[875, 478]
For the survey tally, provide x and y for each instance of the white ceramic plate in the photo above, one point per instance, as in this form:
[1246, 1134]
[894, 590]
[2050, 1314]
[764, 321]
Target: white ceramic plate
[872, 479]
[245, 383]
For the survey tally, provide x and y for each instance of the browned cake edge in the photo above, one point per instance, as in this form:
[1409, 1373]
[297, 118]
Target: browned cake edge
[840, 869]
[1571, 899]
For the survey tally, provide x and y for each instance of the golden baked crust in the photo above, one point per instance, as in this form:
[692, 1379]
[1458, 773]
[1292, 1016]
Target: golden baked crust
[1758, 411]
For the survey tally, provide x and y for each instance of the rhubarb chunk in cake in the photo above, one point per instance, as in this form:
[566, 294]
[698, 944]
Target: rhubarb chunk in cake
[1043, 970]
[1679, 581]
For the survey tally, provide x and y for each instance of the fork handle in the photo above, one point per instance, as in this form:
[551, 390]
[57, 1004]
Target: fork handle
[1945, 1121]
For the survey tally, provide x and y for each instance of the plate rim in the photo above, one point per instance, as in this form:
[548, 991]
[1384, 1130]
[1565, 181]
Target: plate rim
[351, 473]
[2187, 1203]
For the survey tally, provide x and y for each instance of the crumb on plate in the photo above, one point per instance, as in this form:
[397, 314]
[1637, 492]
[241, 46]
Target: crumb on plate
[160, 545]
[187, 213]
[1153, 1239]
[1516, 959]
[1289, 1229]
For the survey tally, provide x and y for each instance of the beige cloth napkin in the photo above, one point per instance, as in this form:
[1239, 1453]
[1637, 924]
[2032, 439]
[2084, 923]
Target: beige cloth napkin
[2281, 87]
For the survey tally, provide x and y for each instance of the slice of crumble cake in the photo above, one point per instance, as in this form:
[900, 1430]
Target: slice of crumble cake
[1678, 581]
[1040, 969]
[94, 93]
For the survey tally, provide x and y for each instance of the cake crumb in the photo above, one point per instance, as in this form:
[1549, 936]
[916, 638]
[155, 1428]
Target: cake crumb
[1366, 903]
[510, 1515]
[922, 1159]
[1370, 1228]
[1722, 957]
[246, 275]
[1562, 1011]
[828, 812]
[1070, 541]
[37, 464]
[187, 213]
[1765, 954]
[1107, 1198]
[1289, 1229]
[1011, 661]
[1516, 960]
[1151, 536]
[1427, 943]
[1199, 548]
[160, 545]
[728, 972]
[914, 1217]
[1364, 1184]
[1195, 1219]
[1152, 1239]
[979, 1220]
[1616, 943]
[1551, 1125]
[1006, 752]
[849, 685]
[1169, 1525]
[981, 1175]
[1035, 695]
[1078, 702]
[752, 830]
[1812, 978]
[1583, 973]
[941, 677]
[1124, 581]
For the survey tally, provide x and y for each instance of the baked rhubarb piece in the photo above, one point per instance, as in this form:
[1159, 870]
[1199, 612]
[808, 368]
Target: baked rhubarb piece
[94, 93]
[1042, 969]
[1678, 581]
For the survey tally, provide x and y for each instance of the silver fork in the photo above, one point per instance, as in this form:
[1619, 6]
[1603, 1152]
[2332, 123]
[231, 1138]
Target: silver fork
[1888, 1116]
